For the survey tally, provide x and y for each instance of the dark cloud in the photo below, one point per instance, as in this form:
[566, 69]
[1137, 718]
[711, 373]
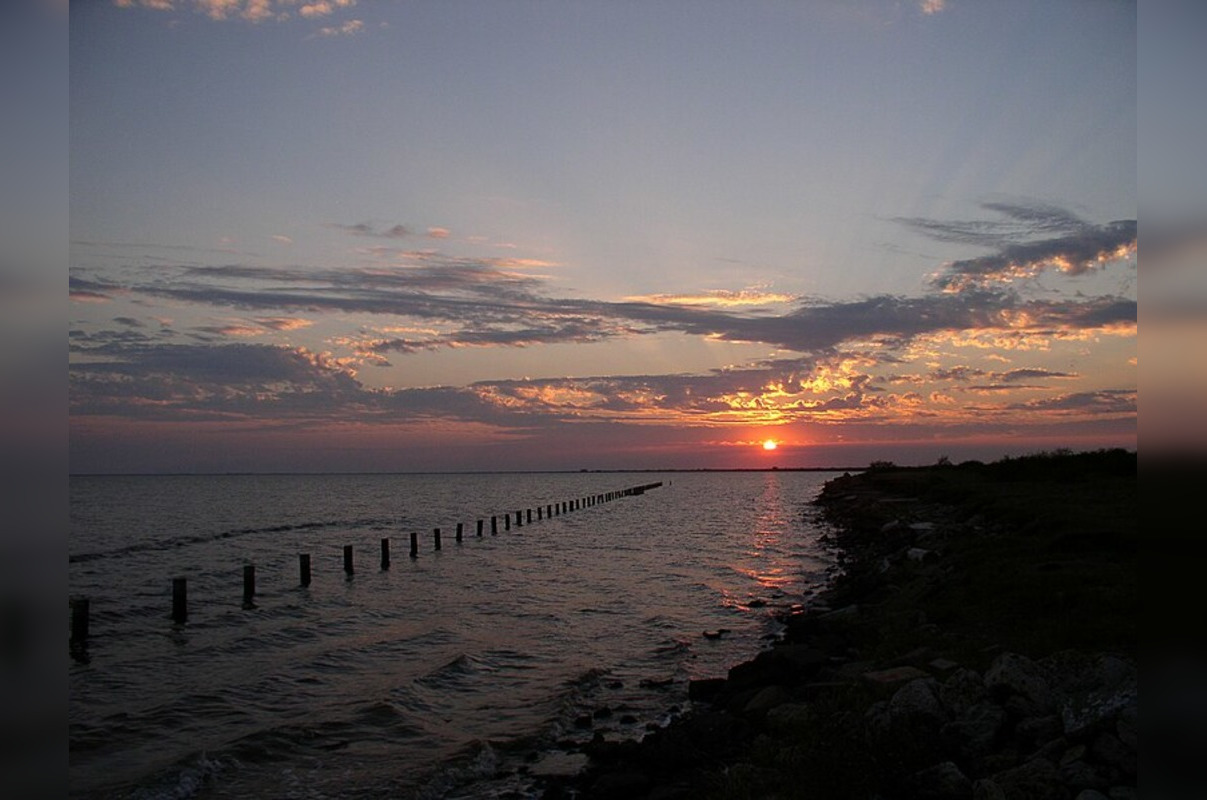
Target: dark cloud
[1104, 401]
[1031, 239]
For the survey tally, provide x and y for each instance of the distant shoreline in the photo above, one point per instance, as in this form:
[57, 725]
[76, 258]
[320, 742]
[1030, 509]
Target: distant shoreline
[460, 472]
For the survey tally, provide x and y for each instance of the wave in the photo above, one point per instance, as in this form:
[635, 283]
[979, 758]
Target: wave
[171, 543]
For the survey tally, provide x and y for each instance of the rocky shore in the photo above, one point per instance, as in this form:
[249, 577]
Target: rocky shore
[979, 644]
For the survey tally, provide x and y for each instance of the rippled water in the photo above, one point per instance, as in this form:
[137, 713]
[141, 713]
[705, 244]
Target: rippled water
[431, 678]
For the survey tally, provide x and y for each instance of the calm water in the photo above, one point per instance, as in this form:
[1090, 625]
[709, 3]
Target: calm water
[440, 677]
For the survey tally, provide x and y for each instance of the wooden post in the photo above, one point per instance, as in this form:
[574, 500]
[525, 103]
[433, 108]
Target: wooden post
[180, 600]
[249, 584]
[414, 544]
[519, 519]
[539, 511]
[494, 525]
[304, 568]
[79, 620]
[385, 553]
[458, 533]
[507, 521]
[479, 528]
[529, 513]
[437, 536]
[348, 559]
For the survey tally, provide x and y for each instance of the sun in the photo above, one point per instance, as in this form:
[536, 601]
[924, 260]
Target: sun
[769, 444]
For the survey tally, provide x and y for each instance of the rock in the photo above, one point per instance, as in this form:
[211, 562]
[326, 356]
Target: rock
[1013, 674]
[1037, 779]
[1118, 761]
[893, 677]
[766, 700]
[920, 554]
[620, 784]
[705, 689]
[943, 665]
[1038, 731]
[789, 717]
[1078, 775]
[914, 719]
[1090, 794]
[943, 781]
[962, 690]
[986, 789]
[977, 730]
[1123, 793]
[918, 703]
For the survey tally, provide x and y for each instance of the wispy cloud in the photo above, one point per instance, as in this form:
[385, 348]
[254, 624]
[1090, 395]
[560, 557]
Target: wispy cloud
[397, 231]
[720, 298]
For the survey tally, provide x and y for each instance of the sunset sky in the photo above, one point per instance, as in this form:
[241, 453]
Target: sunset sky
[342, 235]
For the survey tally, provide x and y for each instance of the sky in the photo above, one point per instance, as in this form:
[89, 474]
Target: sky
[391, 235]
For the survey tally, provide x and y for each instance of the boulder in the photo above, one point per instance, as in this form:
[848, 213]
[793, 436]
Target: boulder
[766, 700]
[976, 732]
[1036, 779]
[962, 690]
[943, 781]
[1015, 675]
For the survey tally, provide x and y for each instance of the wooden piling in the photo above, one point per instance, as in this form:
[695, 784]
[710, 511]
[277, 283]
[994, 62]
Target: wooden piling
[436, 534]
[249, 584]
[348, 559]
[519, 519]
[528, 512]
[180, 600]
[494, 525]
[414, 544]
[458, 537]
[79, 620]
[507, 521]
[539, 510]
[479, 528]
[304, 568]
[385, 553]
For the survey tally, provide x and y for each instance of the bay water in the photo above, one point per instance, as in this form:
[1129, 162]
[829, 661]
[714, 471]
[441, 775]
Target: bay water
[460, 673]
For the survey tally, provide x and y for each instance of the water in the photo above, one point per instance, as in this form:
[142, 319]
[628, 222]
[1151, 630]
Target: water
[444, 676]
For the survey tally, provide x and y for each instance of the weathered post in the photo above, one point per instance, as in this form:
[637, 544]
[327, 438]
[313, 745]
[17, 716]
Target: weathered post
[507, 521]
[519, 519]
[180, 600]
[348, 559]
[385, 553]
[539, 511]
[79, 620]
[529, 513]
[458, 536]
[249, 584]
[494, 525]
[304, 568]
[414, 544]
[479, 528]
[436, 534]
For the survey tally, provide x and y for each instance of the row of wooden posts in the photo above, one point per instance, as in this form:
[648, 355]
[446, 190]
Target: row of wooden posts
[180, 613]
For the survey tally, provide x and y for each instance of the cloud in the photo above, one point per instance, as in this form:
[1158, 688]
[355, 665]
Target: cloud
[720, 298]
[398, 231]
[1032, 239]
[349, 28]
[282, 239]
[438, 233]
[257, 11]
[929, 7]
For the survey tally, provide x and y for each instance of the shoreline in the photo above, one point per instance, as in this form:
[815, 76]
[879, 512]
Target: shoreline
[980, 642]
